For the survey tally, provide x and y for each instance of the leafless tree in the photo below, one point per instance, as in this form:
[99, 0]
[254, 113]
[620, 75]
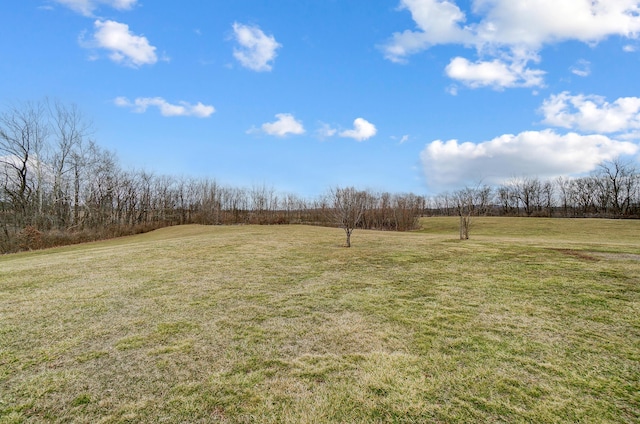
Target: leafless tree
[471, 201]
[406, 210]
[528, 193]
[617, 180]
[547, 192]
[69, 130]
[23, 134]
[584, 189]
[565, 192]
[348, 207]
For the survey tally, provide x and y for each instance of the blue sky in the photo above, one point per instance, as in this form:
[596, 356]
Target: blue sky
[416, 96]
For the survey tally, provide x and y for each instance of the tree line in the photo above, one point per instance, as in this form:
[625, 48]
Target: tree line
[611, 191]
[58, 186]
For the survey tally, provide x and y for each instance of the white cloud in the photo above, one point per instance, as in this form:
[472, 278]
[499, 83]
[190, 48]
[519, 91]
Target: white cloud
[538, 22]
[122, 102]
[495, 73]
[512, 31]
[582, 68]
[438, 23]
[87, 7]
[362, 130]
[542, 154]
[592, 113]
[326, 131]
[125, 47]
[401, 140]
[515, 24]
[141, 104]
[285, 124]
[256, 50]
[452, 89]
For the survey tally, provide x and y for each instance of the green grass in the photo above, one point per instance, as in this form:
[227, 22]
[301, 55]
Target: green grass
[531, 320]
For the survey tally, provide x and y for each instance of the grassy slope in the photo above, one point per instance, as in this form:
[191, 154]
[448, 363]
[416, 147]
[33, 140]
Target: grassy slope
[529, 321]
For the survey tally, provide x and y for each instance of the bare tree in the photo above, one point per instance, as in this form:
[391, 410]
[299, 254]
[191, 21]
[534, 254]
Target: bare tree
[528, 191]
[406, 212]
[565, 188]
[348, 208]
[70, 129]
[617, 179]
[584, 189]
[547, 197]
[23, 133]
[471, 202]
[508, 194]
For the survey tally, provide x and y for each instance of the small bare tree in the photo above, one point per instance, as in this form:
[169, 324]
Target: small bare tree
[348, 208]
[470, 202]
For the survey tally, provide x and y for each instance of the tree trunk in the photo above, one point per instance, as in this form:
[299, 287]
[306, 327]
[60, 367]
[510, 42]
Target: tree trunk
[348, 231]
[465, 222]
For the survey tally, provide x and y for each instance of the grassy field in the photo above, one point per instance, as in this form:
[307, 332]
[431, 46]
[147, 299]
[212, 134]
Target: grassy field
[531, 320]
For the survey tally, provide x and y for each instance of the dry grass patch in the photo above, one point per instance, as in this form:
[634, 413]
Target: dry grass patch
[281, 324]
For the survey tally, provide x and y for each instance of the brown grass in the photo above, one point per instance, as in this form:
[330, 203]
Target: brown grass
[281, 324]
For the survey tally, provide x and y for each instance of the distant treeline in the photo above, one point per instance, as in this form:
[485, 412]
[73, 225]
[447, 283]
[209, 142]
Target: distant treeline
[611, 191]
[58, 187]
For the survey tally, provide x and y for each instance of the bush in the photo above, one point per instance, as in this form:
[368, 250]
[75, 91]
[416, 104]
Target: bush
[30, 238]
